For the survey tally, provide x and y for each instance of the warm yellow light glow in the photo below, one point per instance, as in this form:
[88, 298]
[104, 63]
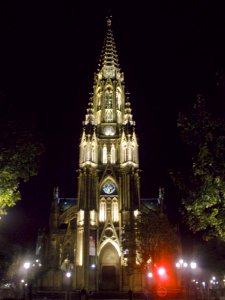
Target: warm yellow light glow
[108, 115]
[115, 211]
[80, 217]
[106, 241]
[79, 256]
[129, 152]
[102, 211]
[149, 260]
[136, 213]
[128, 163]
[119, 117]
[88, 163]
[125, 261]
[138, 258]
[92, 217]
[118, 98]
[113, 154]
[98, 117]
[125, 152]
[104, 155]
[93, 153]
[88, 150]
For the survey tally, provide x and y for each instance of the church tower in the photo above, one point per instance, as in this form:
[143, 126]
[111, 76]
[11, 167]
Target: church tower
[85, 235]
[108, 193]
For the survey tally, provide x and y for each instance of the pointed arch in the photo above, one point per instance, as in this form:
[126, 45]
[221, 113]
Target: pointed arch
[108, 178]
[113, 154]
[113, 243]
[115, 210]
[108, 97]
[102, 210]
[104, 154]
[108, 115]
[98, 97]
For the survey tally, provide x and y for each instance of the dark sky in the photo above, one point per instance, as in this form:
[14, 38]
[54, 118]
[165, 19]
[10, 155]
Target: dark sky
[169, 52]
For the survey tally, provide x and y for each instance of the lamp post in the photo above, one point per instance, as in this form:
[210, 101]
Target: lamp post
[186, 269]
[67, 269]
[27, 284]
[30, 268]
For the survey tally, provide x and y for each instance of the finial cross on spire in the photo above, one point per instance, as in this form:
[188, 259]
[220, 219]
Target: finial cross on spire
[109, 21]
[109, 18]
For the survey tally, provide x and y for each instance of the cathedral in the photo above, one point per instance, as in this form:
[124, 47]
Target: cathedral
[84, 240]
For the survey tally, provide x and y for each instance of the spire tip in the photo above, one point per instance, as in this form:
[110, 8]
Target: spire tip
[109, 18]
[109, 21]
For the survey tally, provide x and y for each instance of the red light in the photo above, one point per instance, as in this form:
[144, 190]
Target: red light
[161, 271]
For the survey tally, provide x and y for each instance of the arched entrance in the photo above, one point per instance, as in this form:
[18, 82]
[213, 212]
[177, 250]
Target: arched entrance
[109, 267]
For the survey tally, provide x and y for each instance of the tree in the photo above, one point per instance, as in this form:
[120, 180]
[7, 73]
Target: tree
[203, 187]
[149, 240]
[158, 240]
[20, 151]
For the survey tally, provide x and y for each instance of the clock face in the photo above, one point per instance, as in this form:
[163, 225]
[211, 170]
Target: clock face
[109, 187]
[109, 130]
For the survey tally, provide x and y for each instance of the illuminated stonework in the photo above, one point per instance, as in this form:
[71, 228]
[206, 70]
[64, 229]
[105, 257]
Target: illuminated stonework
[102, 210]
[108, 187]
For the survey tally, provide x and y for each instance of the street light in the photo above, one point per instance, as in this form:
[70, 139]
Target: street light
[184, 268]
[180, 264]
[67, 269]
[68, 274]
[27, 265]
[31, 268]
[193, 265]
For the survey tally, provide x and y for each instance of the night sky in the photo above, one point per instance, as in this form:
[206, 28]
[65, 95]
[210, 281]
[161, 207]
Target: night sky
[169, 51]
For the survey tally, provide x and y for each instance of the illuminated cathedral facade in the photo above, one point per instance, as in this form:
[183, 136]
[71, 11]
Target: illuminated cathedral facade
[84, 241]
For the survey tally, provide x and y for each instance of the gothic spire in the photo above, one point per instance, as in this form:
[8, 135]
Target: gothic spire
[109, 57]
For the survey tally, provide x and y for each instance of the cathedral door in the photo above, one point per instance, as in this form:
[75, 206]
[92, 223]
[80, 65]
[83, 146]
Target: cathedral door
[109, 278]
[109, 268]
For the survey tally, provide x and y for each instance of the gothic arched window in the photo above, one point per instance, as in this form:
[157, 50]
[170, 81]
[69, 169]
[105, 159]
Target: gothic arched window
[102, 211]
[113, 154]
[115, 211]
[108, 115]
[104, 154]
[108, 98]
[118, 98]
[99, 95]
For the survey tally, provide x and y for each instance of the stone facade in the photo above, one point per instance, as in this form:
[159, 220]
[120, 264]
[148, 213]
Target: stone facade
[84, 238]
